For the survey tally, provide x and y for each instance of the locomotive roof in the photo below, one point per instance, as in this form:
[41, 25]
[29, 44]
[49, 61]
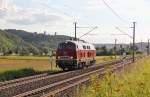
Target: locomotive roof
[80, 44]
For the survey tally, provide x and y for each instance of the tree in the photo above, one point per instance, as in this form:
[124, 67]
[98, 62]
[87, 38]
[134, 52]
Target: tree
[102, 51]
[34, 50]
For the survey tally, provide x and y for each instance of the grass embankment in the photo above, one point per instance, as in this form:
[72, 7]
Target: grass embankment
[132, 82]
[14, 74]
[100, 59]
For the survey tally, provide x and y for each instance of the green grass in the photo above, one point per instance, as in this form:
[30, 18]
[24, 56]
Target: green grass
[25, 57]
[131, 82]
[38, 63]
[12, 67]
[13, 74]
[100, 59]
[8, 63]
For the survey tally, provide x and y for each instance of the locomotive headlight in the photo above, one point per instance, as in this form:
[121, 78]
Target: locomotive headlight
[71, 57]
[59, 57]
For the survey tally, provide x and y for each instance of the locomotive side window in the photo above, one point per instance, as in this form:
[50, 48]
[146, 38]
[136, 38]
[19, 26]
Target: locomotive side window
[84, 47]
[88, 47]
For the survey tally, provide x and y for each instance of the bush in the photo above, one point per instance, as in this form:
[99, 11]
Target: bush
[14, 74]
[131, 82]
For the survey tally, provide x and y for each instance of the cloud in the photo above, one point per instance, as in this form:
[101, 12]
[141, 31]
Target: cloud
[17, 15]
[6, 8]
[3, 8]
[34, 18]
[2, 14]
[34, 15]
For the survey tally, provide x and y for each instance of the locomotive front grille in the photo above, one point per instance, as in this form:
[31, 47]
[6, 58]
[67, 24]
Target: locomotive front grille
[66, 63]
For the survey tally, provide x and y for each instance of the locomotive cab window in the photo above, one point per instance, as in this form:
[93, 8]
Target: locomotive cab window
[66, 45]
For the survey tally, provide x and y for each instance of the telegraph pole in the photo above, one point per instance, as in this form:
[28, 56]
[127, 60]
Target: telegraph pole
[75, 31]
[148, 48]
[141, 46]
[115, 48]
[133, 50]
[51, 58]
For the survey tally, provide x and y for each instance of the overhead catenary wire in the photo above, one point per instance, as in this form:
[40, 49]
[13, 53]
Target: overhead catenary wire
[124, 33]
[70, 16]
[76, 17]
[73, 17]
[88, 32]
[74, 14]
[86, 27]
[114, 12]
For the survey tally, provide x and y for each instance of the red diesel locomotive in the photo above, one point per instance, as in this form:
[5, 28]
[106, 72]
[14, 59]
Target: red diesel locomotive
[75, 54]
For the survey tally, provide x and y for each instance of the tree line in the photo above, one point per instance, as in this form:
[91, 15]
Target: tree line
[104, 51]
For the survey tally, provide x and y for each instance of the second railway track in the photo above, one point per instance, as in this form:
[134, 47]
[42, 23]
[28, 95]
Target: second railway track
[15, 81]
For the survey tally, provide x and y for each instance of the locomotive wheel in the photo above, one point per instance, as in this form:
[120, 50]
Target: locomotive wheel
[65, 69]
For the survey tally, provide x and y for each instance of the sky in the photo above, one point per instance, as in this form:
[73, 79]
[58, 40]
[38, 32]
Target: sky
[59, 16]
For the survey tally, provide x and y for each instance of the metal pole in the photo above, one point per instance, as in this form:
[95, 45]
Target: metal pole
[141, 46]
[51, 58]
[75, 31]
[133, 53]
[115, 48]
[148, 48]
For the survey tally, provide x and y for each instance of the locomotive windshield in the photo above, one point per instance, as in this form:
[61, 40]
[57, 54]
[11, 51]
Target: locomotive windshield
[66, 45]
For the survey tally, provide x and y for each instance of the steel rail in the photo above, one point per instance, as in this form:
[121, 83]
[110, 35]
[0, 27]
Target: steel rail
[14, 89]
[38, 83]
[65, 84]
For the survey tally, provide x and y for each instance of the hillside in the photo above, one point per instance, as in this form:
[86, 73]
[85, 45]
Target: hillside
[10, 43]
[39, 40]
[22, 42]
[25, 43]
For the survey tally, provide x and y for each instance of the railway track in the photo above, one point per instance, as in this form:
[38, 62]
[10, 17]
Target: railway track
[53, 89]
[43, 74]
[56, 83]
[6, 83]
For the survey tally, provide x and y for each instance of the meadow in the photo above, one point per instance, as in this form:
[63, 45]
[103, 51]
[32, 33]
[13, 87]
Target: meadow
[37, 63]
[8, 63]
[133, 81]
[12, 67]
